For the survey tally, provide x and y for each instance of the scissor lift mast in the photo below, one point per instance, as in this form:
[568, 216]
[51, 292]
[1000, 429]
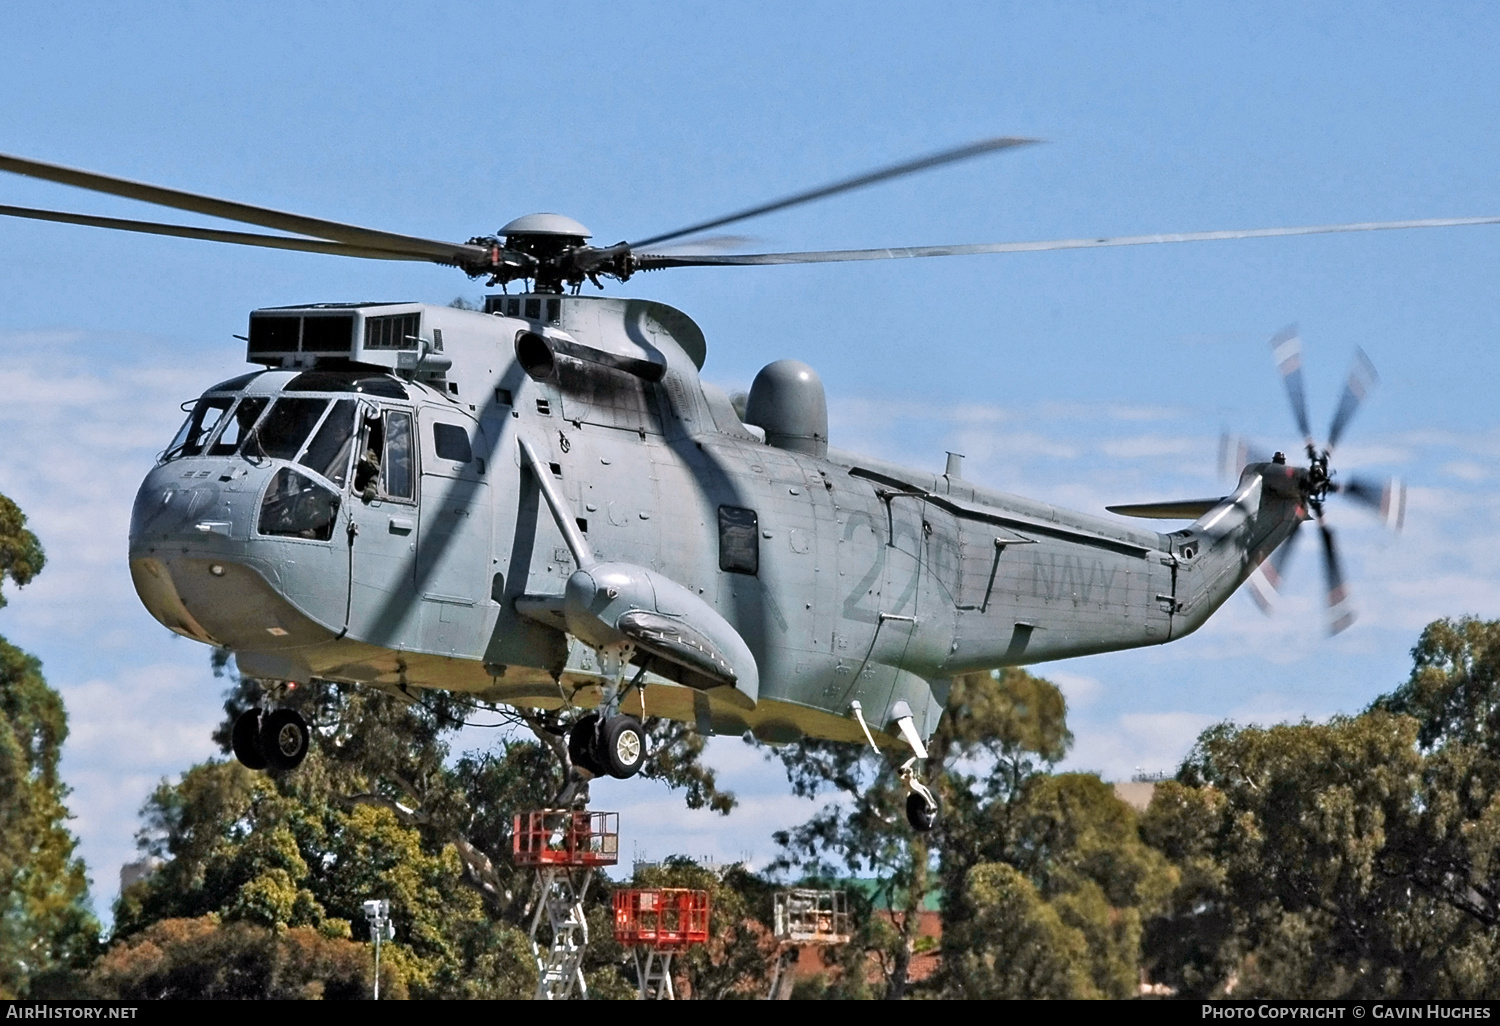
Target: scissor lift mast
[806, 916]
[565, 847]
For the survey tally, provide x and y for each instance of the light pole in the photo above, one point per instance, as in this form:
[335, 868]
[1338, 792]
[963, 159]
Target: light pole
[378, 912]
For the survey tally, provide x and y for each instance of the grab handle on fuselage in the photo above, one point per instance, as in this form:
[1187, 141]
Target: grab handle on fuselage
[583, 556]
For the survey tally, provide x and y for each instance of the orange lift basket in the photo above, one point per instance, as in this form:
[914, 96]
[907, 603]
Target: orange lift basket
[664, 918]
[563, 837]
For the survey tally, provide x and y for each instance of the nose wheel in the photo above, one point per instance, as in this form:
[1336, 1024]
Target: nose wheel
[276, 740]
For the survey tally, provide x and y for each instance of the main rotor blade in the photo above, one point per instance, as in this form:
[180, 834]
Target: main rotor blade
[1340, 612]
[1362, 378]
[656, 261]
[210, 234]
[846, 185]
[1286, 349]
[448, 252]
[1387, 499]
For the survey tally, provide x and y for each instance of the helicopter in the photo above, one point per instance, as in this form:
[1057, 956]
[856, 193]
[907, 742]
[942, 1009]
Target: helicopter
[541, 503]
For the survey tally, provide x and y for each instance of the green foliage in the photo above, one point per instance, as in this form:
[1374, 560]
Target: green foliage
[1454, 689]
[1014, 943]
[284, 853]
[734, 962]
[46, 927]
[21, 555]
[206, 958]
[1354, 859]
[1015, 853]
[381, 808]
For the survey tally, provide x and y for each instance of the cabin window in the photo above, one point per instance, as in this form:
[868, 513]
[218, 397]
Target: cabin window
[451, 442]
[238, 426]
[296, 506]
[739, 540]
[286, 427]
[329, 452]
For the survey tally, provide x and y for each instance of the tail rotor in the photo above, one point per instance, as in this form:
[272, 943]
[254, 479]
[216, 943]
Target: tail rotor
[1386, 498]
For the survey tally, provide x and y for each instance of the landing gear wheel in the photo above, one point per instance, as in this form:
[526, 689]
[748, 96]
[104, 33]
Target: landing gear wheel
[622, 746]
[284, 739]
[244, 740]
[582, 742]
[921, 815]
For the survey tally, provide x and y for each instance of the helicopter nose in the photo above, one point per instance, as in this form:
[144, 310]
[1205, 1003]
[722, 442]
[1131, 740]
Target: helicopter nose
[194, 499]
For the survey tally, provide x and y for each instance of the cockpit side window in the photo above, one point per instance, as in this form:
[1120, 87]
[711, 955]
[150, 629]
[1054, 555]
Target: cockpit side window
[397, 474]
[238, 426]
[387, 464]
[200, 424]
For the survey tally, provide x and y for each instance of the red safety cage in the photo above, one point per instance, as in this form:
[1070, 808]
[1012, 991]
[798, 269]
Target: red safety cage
[662, 917]
[563, 837]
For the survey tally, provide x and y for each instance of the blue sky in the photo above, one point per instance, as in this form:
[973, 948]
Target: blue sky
[1081, 378]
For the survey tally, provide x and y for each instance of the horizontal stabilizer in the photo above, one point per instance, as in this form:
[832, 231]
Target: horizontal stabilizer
[1183, 509]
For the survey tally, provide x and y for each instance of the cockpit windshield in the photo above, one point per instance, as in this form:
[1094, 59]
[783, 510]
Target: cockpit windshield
[318, 433]
[329, 450]
[286, 427]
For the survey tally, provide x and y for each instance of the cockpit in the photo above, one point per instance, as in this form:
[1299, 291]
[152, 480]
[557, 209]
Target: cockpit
[270, 415]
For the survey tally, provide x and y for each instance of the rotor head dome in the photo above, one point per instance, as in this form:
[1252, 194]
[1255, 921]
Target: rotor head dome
[546, 224]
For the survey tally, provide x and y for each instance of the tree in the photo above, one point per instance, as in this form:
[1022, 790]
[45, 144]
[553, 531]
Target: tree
[735, 960]
[1289, 890]
[382, 808]
[46, 927]
[207, 958]
[1015, 850]
[21, 556]
[1354, 859]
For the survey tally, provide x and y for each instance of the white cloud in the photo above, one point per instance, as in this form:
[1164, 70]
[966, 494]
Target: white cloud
[1080, 690]
[1136, 743]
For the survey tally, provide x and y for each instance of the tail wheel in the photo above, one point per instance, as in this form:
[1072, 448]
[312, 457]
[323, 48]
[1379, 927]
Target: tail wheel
[921, 814]
[244, 740]
[284, 739]
[583, 744]
[622, 746]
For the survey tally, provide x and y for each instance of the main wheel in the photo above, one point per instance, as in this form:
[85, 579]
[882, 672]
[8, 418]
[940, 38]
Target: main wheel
[622, 746]
[582, 744]
[244, 740]
[919, 814]
[284, 739]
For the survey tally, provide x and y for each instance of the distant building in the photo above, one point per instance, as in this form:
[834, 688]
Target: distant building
[1135, 793]
[135, 872]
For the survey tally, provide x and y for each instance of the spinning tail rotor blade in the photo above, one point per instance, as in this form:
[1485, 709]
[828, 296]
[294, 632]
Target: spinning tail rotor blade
[1387, 499]
[1340, 612]
[1362, 378]
[845, 185]
[1270, 577]
[1286, 349]
[1236, 452]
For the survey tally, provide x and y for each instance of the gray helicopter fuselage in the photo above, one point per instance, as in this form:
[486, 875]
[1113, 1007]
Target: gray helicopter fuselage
[364, 510]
